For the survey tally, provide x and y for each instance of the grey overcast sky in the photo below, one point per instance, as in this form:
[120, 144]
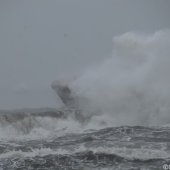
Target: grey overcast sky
[41, 40]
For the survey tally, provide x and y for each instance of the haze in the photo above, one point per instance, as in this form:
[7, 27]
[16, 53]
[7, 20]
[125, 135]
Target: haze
[41, 41]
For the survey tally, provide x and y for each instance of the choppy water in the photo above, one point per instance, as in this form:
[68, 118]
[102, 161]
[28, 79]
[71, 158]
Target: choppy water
[130, 88]
[38, 141]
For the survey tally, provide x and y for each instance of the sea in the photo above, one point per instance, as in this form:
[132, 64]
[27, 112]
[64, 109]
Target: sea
[43, 139]
[121, 120]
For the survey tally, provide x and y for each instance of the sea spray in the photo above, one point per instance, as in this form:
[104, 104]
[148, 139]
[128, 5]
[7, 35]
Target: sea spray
[131, 87]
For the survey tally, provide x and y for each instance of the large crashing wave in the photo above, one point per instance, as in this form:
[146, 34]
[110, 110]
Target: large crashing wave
[131, 87]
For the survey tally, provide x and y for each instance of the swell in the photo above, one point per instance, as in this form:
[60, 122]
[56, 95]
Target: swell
[116, 147]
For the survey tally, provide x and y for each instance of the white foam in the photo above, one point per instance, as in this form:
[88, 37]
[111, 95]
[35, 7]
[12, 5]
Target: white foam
[33, 153]
[39, 128]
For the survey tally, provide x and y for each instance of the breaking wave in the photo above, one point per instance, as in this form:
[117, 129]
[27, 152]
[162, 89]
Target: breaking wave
[129, 88]
[132, 86]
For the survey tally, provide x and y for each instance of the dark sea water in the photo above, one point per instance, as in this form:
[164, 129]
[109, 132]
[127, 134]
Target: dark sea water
[37, 140]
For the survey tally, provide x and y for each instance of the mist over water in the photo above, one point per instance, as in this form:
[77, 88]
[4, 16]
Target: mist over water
[129, 88]
[132, 86]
